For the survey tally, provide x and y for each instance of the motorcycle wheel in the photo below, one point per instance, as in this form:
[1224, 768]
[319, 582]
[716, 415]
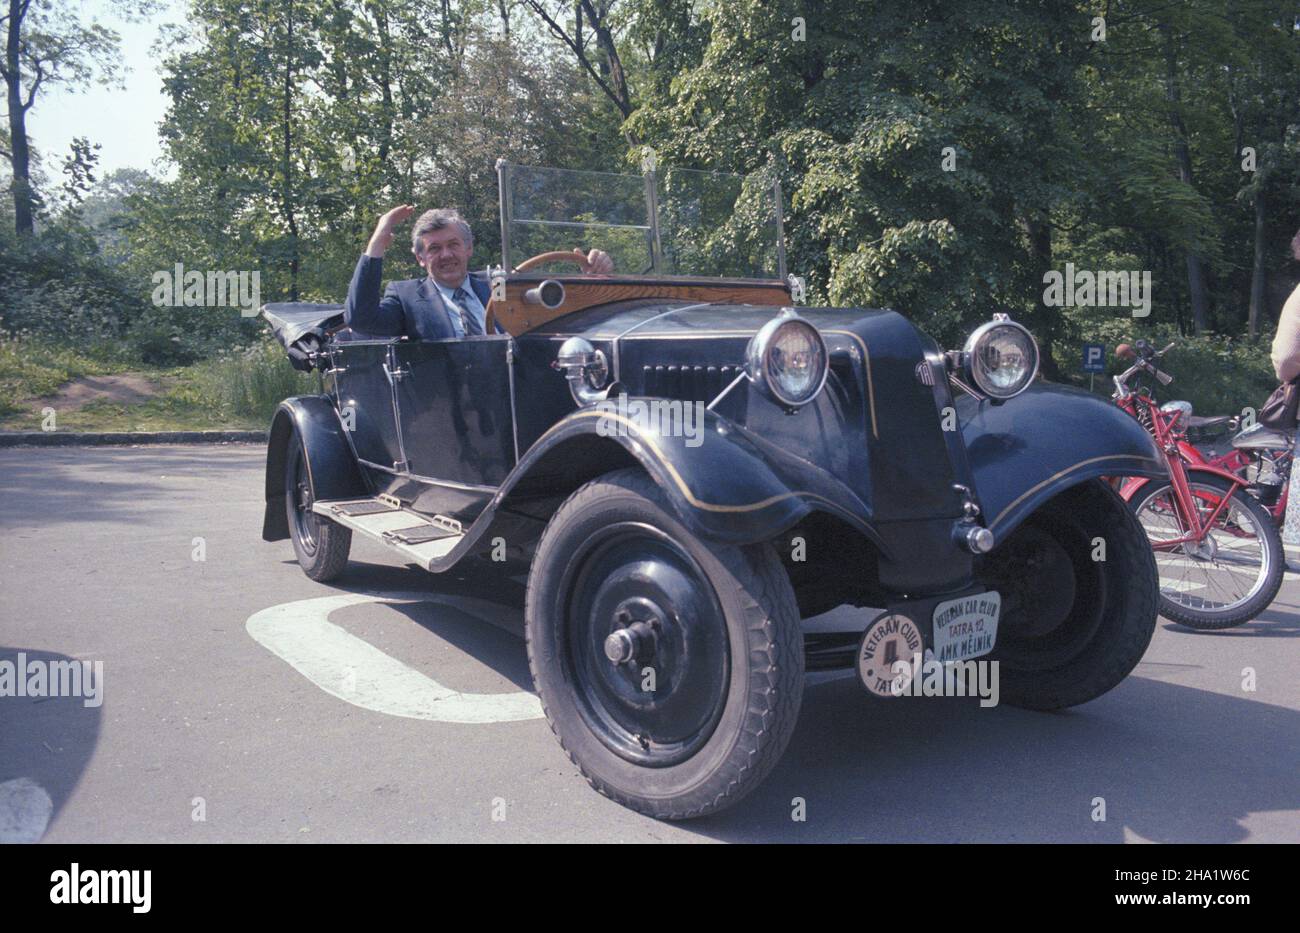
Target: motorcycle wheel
[1230, 576]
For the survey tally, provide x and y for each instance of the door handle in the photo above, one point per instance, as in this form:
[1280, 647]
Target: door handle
[395, 375]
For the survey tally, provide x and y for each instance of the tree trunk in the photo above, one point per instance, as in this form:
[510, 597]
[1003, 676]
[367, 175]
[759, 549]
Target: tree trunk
[1197, 291]
[386, 86]
[21, 158]
[287, 191]
[1258, 275]
[613, 64]
[1039, 228]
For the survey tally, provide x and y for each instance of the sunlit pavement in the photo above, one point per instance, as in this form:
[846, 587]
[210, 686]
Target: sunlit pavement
[411, 718]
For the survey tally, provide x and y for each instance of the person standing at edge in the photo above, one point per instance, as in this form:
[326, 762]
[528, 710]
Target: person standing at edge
[1286, 363]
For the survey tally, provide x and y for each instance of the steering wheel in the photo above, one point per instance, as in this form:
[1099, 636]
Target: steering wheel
[577, 257]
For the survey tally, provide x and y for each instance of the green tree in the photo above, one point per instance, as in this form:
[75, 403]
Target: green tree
[48, 43]
[924, 145]
[1263, 93]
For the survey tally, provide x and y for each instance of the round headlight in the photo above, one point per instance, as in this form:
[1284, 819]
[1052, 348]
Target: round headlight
[788, 359]
[1001, 358]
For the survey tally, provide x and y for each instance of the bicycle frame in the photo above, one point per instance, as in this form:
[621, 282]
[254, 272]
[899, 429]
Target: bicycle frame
[1236, 462]
[1179, 456]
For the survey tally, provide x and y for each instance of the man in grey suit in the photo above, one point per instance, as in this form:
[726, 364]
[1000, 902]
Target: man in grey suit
[448, 301]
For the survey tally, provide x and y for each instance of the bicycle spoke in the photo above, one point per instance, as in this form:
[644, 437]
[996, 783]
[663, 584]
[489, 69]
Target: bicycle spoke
[1221, 570]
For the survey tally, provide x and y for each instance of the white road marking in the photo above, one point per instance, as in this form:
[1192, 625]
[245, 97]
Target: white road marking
[356, 671]
[25, 811]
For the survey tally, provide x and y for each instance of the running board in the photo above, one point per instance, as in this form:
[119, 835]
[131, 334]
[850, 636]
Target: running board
[416, 537]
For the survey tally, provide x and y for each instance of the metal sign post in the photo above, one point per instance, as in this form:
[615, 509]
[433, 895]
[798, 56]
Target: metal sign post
[1094, 361]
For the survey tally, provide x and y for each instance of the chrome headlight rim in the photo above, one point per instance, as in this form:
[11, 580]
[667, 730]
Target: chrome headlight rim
[972, 370]
[1184, 410]
[758, 360]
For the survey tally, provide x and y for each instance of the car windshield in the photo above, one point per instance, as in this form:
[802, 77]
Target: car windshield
[672, 222]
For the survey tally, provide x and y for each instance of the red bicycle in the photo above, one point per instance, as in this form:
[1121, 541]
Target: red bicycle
[1217, 547]
[1262, 457]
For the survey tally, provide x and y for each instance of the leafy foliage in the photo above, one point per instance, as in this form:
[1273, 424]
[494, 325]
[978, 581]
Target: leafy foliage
[935, 157]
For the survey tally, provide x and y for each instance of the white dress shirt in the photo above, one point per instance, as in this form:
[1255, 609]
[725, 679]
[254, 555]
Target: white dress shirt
[453, 309]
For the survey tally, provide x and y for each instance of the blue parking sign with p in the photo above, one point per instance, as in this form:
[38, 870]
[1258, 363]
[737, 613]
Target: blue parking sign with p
[1094, 358]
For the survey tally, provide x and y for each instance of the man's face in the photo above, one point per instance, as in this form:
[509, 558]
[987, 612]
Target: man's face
[445, 256]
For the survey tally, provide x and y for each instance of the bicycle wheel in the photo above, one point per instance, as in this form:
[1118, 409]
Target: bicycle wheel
[1229, 576]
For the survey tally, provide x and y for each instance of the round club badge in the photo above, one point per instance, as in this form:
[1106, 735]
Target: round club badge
[888, 640]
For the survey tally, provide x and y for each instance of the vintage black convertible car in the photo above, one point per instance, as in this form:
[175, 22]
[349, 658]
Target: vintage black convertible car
[687, 466]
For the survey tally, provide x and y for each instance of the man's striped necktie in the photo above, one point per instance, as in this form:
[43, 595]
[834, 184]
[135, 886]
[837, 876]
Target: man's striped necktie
[467, 320]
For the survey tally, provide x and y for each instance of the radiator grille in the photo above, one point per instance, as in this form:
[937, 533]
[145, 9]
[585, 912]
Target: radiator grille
[703, 383]
[689, 383]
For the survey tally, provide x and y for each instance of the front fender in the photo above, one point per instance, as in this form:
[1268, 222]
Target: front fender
[1026, 450]
[330, 463]
[722, 483]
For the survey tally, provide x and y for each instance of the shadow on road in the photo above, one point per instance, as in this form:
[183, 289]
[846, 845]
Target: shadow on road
[1173, 764]
[460, 601]
[46, 486]
[45, 745]
[1280, 620]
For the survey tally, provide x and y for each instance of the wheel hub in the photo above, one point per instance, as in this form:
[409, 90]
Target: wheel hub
[647, 644]
[1038, 580]
[637, 624]
[302, 520]
[1205, 549]
[1052, 595]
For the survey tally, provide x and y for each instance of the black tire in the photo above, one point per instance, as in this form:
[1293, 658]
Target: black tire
[711, 731]
[1072, 627]
[321, 545]
[1266, 584]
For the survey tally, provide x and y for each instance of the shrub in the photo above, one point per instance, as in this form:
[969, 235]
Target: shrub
[1219, 375]
[248, 382]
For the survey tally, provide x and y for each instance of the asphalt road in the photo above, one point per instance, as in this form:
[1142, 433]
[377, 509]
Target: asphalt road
[207, 733]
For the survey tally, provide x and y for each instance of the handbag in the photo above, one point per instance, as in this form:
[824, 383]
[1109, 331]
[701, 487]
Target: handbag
[1280, 411]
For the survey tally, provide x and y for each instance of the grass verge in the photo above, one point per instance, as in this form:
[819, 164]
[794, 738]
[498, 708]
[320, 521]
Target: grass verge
[236, 391]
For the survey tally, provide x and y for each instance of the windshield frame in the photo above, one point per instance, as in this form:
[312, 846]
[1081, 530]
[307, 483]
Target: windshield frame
[650, 181]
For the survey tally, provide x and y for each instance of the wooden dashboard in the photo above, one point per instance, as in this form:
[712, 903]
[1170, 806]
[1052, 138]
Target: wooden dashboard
[518, 316]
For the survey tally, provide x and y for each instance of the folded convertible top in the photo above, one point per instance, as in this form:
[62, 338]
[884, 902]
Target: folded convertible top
[290, 320]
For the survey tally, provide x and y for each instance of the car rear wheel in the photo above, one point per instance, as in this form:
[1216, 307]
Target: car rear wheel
[1079, 597]
[321, 545]
[670, 670]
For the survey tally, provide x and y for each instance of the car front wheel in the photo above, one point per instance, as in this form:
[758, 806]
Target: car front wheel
[671, 670]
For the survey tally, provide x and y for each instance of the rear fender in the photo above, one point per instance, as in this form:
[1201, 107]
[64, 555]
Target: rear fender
[1034, 446]
[330, 462]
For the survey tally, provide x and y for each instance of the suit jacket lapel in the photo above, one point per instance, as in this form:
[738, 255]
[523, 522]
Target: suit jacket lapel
[481, 289]
[434, 312]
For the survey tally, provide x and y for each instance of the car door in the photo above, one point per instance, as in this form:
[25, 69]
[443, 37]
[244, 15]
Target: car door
[365, 400]
[455, 415]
